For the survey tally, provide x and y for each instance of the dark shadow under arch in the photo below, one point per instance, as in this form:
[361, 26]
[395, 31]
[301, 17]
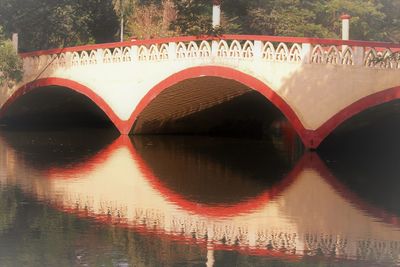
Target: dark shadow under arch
[229, 74]
[368, 102]
[58, 87]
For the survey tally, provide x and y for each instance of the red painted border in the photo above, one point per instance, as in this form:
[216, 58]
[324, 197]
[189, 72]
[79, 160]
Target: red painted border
[177, 199]
[77, 87]
[311, 160]
[357, 107]
[232, 74]
[264, 38]
[308, 161]
[223, 211]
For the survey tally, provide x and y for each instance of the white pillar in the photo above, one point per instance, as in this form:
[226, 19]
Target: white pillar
[100, 56]
[345, 26]
[257, 50]
[358, 55]
[172, 50]
[306, 53]
[210, 256]
[216, 16]
[15, 41]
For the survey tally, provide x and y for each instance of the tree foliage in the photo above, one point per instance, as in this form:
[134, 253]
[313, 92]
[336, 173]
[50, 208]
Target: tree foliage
[193, 17]
[56, 23]
[152, 20]
[10, 63]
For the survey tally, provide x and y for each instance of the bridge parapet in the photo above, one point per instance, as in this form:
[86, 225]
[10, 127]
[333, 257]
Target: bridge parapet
[268, 48]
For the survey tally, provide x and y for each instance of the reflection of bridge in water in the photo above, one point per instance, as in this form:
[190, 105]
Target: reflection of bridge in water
[308, 212]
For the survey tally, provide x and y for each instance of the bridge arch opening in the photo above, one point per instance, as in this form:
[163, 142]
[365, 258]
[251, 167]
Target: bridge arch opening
[47, 106]
[213, 101]
[373, 129]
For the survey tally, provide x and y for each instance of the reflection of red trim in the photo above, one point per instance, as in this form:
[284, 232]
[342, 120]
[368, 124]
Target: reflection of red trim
[232, 74]
[77, 87]
[307, 161]
[222, 211]
[85, 167]
[357, 107]
[264, 38]
[174, 197]
[314, 162]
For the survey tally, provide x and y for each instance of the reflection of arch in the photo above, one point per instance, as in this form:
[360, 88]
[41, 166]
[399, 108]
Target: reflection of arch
[231, 74]
[309, 164]
[74, 86]
[243, 207]
[308, 161]
[357, 107]
[313, 161]
[177, 199]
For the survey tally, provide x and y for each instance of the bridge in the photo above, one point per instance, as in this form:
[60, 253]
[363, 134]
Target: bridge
[141, 85]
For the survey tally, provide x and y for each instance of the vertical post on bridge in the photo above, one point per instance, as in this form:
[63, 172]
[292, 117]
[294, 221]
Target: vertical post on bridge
[258, 47]
[216, 15]
[345, 29]
[306, 51]
[100, 56]
[172, 50]
[345, 26]
[15, 41]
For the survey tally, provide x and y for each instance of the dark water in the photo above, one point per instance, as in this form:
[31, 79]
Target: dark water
[91, 198]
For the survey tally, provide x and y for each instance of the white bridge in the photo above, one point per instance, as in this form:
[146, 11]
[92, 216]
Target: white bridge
[316, 83]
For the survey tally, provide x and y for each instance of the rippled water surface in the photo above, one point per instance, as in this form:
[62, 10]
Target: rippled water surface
[95, 199]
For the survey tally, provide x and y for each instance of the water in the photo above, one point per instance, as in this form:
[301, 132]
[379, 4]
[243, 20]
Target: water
[96, 199]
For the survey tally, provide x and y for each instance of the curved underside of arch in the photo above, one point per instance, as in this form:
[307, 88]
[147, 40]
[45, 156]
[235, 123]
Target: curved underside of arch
[211, 76]
[70, 85]
[310, 138]
[354, 109]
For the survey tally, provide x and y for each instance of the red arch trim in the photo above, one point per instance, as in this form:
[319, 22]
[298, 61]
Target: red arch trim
[357, 107]
[243, 207]
[232, 74]
[307, 161]
[77, 87]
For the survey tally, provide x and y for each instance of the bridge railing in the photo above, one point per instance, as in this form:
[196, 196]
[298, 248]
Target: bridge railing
[238, 47]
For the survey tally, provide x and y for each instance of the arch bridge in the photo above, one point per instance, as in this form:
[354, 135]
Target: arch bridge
[316, 83]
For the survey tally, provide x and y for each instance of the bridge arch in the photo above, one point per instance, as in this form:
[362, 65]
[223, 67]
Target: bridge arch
[70, 85]
[365, 103]
[227, 73]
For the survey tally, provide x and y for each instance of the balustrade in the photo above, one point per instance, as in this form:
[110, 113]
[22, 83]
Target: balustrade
[280, 50]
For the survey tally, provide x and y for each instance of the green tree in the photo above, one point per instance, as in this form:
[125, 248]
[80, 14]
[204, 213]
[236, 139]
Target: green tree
[367, 18]
[193, 17]
[391, 23]
[50, 23]
[152, 20]
[123, 8]
[10, 63]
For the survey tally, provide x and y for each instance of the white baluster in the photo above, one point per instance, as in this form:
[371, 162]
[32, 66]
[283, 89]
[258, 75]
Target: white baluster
[358, 55]
[258, 50]
[68, 60]
[134, 53]
[214, 48]
[172, 50]
[306, 50]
